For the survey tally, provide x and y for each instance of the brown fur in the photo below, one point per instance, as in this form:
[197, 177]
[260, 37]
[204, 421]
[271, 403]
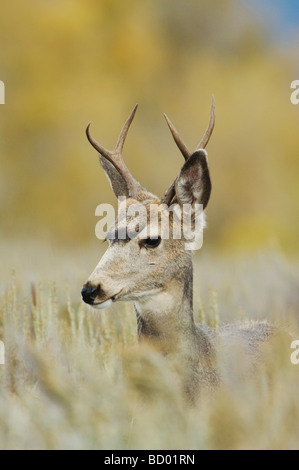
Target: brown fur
[160, 283]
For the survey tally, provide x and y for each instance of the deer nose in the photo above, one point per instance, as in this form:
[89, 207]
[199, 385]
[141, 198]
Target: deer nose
[89, 293]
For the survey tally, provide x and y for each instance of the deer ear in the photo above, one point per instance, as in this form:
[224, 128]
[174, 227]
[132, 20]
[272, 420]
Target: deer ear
[193, 185]
[117, 182]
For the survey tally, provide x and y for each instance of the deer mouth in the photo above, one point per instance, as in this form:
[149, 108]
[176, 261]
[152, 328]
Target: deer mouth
[108, 302]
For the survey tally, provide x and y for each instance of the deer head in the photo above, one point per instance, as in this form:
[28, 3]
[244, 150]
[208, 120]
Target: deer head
[143, 265]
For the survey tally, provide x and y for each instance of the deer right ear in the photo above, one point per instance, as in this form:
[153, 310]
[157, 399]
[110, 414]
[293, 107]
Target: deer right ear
[193, 185]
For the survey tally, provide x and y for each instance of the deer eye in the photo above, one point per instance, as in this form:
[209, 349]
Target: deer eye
[151, 242]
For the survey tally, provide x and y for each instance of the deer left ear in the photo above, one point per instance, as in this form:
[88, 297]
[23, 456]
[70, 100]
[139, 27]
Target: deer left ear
[193, 185]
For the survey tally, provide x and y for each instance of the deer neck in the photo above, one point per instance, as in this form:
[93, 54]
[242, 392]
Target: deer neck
[166, 320]
[167, 317]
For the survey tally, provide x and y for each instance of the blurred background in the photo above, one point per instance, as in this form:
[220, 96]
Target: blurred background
[68, 62]
[73, 378]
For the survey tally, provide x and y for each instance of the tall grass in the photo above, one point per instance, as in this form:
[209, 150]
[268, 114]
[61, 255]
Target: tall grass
[76, 379]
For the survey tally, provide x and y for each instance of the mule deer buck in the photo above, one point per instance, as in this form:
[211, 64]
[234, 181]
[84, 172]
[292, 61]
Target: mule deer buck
[156, 273]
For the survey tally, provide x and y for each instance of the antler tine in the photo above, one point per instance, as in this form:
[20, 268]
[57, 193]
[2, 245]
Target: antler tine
[124, 131]
[170, 193]
[106, 153]
[115, 156]
[205, 140]
[177, 138]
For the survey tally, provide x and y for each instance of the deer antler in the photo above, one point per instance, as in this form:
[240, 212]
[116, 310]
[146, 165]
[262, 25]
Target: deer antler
[170, 193]
[115, 156]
